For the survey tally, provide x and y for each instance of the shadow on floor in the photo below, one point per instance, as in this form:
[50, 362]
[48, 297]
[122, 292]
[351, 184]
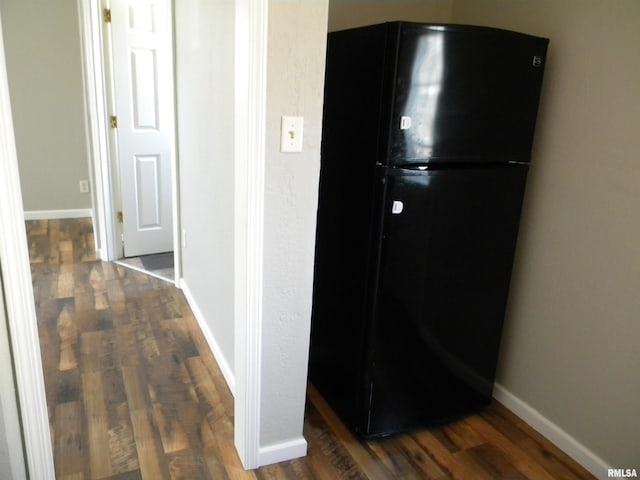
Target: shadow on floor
[159, 265]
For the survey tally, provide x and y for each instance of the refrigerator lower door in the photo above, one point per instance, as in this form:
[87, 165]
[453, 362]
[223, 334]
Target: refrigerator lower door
[446, 256]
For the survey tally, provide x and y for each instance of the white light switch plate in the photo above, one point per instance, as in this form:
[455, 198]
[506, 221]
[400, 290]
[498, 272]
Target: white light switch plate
[291, 134]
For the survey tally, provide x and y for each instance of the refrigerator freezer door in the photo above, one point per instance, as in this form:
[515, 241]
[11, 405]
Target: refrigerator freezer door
[444, 278]
[471, 93]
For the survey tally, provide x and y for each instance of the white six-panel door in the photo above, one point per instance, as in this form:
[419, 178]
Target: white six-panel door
[143, 84]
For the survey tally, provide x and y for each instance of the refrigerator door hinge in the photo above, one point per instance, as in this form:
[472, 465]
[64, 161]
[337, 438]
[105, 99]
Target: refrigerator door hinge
[106, 15]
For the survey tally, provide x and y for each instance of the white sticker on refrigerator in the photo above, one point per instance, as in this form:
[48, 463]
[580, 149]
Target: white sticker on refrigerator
[405, 123]
[397, 207]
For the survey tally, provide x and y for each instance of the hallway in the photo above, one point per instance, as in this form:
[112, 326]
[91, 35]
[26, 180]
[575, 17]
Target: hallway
[133, 392]
[132, 388]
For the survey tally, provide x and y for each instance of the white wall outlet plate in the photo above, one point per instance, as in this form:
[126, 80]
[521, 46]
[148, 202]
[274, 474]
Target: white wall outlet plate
[291, 134]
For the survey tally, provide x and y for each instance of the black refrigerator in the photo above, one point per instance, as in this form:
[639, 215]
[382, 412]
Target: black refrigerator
[427, 135]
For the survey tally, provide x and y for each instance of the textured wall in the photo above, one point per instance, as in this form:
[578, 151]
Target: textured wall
[570, 348]
[42, 45]
[296, 57]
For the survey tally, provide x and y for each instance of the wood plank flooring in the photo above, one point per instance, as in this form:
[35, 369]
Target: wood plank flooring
[133, 392]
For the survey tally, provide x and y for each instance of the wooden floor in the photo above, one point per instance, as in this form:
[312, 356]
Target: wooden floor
[133, 392]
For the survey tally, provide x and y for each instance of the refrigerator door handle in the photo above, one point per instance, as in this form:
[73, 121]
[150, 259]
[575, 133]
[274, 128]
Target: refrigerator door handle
[405, 122]
[396, 207]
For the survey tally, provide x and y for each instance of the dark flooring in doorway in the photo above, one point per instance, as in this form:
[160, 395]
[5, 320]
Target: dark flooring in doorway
[159, 265]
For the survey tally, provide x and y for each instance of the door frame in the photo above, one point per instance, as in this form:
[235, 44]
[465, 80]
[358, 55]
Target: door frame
[9, 412]
[101, 142]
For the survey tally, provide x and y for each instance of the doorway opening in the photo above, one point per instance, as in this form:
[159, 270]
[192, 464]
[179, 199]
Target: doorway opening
[128, 68]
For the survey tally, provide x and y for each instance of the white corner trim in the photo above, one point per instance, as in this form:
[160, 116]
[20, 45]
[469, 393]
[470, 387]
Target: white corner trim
[282, 451]
[57, 214]
[90, 18]
[20, 309]
[251, 29]
[173, 146]
[551, 431]
[227, 373]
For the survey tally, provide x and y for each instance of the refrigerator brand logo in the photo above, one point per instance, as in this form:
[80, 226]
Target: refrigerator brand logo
[622, 473]
[537, 60]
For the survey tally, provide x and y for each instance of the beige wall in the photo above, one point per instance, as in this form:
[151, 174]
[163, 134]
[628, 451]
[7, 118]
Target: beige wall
[355, 13]
[571, 345]
[42, 46]
[204, 38]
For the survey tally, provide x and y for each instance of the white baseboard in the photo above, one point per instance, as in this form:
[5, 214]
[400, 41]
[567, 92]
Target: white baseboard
[283, 451]
[213, 345]
[553, 432]
[102, 254]
[57, 214]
